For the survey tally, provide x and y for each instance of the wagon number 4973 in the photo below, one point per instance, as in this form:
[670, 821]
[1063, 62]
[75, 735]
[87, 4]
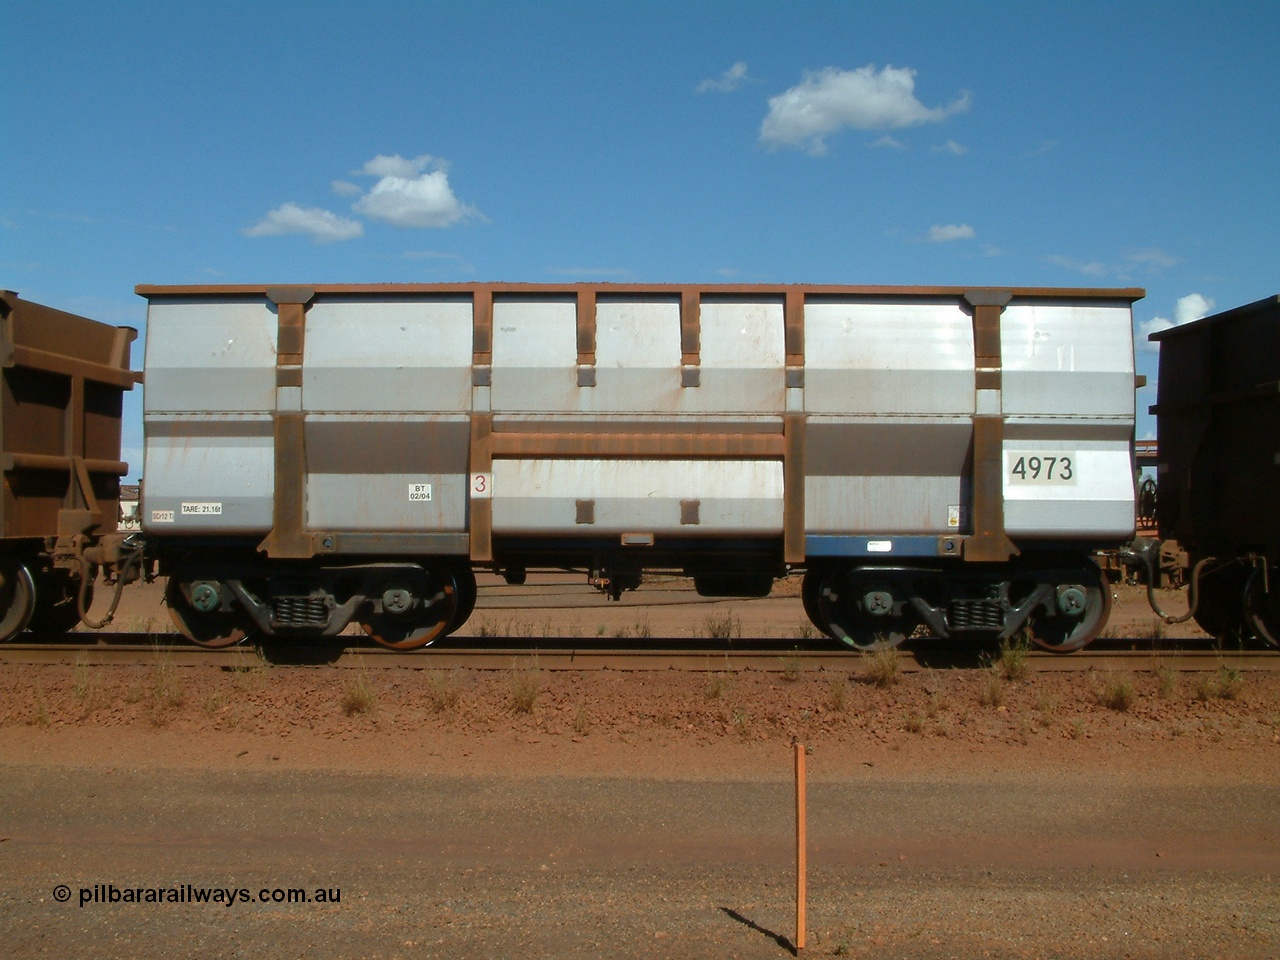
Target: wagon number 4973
[1041, 468]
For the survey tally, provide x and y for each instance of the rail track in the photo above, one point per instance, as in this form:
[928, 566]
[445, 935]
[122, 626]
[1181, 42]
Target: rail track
[553, 653]
[554, 619]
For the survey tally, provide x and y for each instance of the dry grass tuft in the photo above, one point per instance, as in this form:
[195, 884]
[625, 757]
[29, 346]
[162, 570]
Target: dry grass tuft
[444, 688]
[718, 685]
[1166, 680]
[1116, 692]
[723, 627]
[991, 693]
[167, 693]
[1226, 684]
[838, 694]
[526, 686]
[1015, 656]
[359, 696]
[882, 666]
[791, 667]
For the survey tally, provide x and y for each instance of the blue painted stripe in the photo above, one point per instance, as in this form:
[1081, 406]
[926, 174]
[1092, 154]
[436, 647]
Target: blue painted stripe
[885, 546]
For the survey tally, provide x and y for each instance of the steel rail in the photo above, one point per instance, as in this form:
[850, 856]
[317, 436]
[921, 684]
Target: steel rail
[765, 656]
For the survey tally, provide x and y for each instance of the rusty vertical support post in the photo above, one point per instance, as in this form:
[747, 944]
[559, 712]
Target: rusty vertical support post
[74, 440]
[793, 326]
[690, 327]
[793, 474]
[989, 541]
[480, 489]
[289, 537]
[586, 321]
[801, 850]
[482, 327]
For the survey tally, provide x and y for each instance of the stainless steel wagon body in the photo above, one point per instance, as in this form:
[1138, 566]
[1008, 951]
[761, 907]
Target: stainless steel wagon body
[730, 431]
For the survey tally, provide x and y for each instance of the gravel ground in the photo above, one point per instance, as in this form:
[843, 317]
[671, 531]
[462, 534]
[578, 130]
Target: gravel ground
[952, 813]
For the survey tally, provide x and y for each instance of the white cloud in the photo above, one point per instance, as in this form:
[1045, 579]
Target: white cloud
[1090, 269]
[888, 143]
[1148, 261]
[1191, 307]
[321, 225]
[396, 165]
[953, 148]
[1154, 259]
[344, 188]
[863, 99]
[408, 195]
[948, 232]
[727, 82]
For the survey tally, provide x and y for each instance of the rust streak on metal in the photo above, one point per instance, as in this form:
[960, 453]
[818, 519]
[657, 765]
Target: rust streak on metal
[656, 445]
[690, 327]
[481, 508]
[989, 541]
[586, 326]
[732, 289]
[482, 326]
[72, 367]
[288, 537]
[288, 376]
[291, 334]
[40, 461]
[793, 473]
[793, 325]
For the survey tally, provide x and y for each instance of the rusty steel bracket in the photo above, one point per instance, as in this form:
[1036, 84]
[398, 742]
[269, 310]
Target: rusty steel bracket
[989, 542]
[480, 508]
[288, 537]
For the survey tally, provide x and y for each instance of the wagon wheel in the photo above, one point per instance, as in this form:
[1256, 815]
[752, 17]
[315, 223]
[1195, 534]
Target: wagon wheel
[1221, 601]
[17, 600]
[810, 588]
[215, 628]
[464, 582]
[57, 609]
[413, 614]
[863, 611]
[1081, 604]
[1262, 609]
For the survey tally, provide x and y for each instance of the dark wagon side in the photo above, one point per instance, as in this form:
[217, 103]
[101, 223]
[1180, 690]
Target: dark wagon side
[60, 421]
[1218, 417]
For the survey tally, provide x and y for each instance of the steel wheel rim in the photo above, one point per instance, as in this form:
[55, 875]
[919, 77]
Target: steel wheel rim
[855, 628]
[1063, 634]
[207, 630]
[420, 628]
[1262, 610]
[18, 596]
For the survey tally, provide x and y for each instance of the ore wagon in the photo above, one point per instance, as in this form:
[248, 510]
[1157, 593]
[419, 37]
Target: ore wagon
[936, 457]
[60, 415]
[1218, 419]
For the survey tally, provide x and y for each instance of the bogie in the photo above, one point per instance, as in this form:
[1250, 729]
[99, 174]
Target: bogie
[399, 605]
[1063, 604]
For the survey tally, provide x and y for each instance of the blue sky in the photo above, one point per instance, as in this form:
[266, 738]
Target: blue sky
[1013, 144]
